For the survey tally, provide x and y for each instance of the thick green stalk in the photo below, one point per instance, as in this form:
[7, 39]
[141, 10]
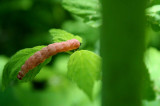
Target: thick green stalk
[122, 50]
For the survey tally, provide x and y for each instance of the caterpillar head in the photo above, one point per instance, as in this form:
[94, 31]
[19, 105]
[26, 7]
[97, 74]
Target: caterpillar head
[76, 43]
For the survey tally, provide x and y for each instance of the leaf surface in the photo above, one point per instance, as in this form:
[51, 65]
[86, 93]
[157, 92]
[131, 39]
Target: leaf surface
[84, 68]
[13, 66]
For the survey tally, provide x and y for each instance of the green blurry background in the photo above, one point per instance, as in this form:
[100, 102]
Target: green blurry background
[25, 24]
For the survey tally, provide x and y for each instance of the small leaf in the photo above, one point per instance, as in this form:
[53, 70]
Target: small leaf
[90, 10]
[84, 68]
[61, 35]
[13, 66]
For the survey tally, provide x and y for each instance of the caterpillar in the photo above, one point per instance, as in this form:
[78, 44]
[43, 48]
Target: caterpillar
[46, 52]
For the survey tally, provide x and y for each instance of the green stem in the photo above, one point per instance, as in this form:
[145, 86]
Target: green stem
[122, 50]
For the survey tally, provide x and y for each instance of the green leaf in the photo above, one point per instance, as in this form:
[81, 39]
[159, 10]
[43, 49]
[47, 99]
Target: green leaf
[84, 68]
[13, 66]
[61, 35]
[90, 10]
[153, 17]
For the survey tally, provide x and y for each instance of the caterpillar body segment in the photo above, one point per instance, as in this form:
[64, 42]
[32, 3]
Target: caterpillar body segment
[46, 52]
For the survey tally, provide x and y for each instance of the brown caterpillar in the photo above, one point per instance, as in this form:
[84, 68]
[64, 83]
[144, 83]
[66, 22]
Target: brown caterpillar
[45, 53]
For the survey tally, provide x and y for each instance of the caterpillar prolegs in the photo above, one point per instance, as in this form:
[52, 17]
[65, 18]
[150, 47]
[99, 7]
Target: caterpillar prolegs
[46, 52]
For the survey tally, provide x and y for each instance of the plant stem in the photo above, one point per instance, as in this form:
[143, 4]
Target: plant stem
[122, 50]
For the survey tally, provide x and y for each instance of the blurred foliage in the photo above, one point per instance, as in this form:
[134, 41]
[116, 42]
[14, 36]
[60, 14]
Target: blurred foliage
[25, 23]
[3, 61]
[152, 2]
[90, 10]
[152, 61]
[153, 16]
[153, 53]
